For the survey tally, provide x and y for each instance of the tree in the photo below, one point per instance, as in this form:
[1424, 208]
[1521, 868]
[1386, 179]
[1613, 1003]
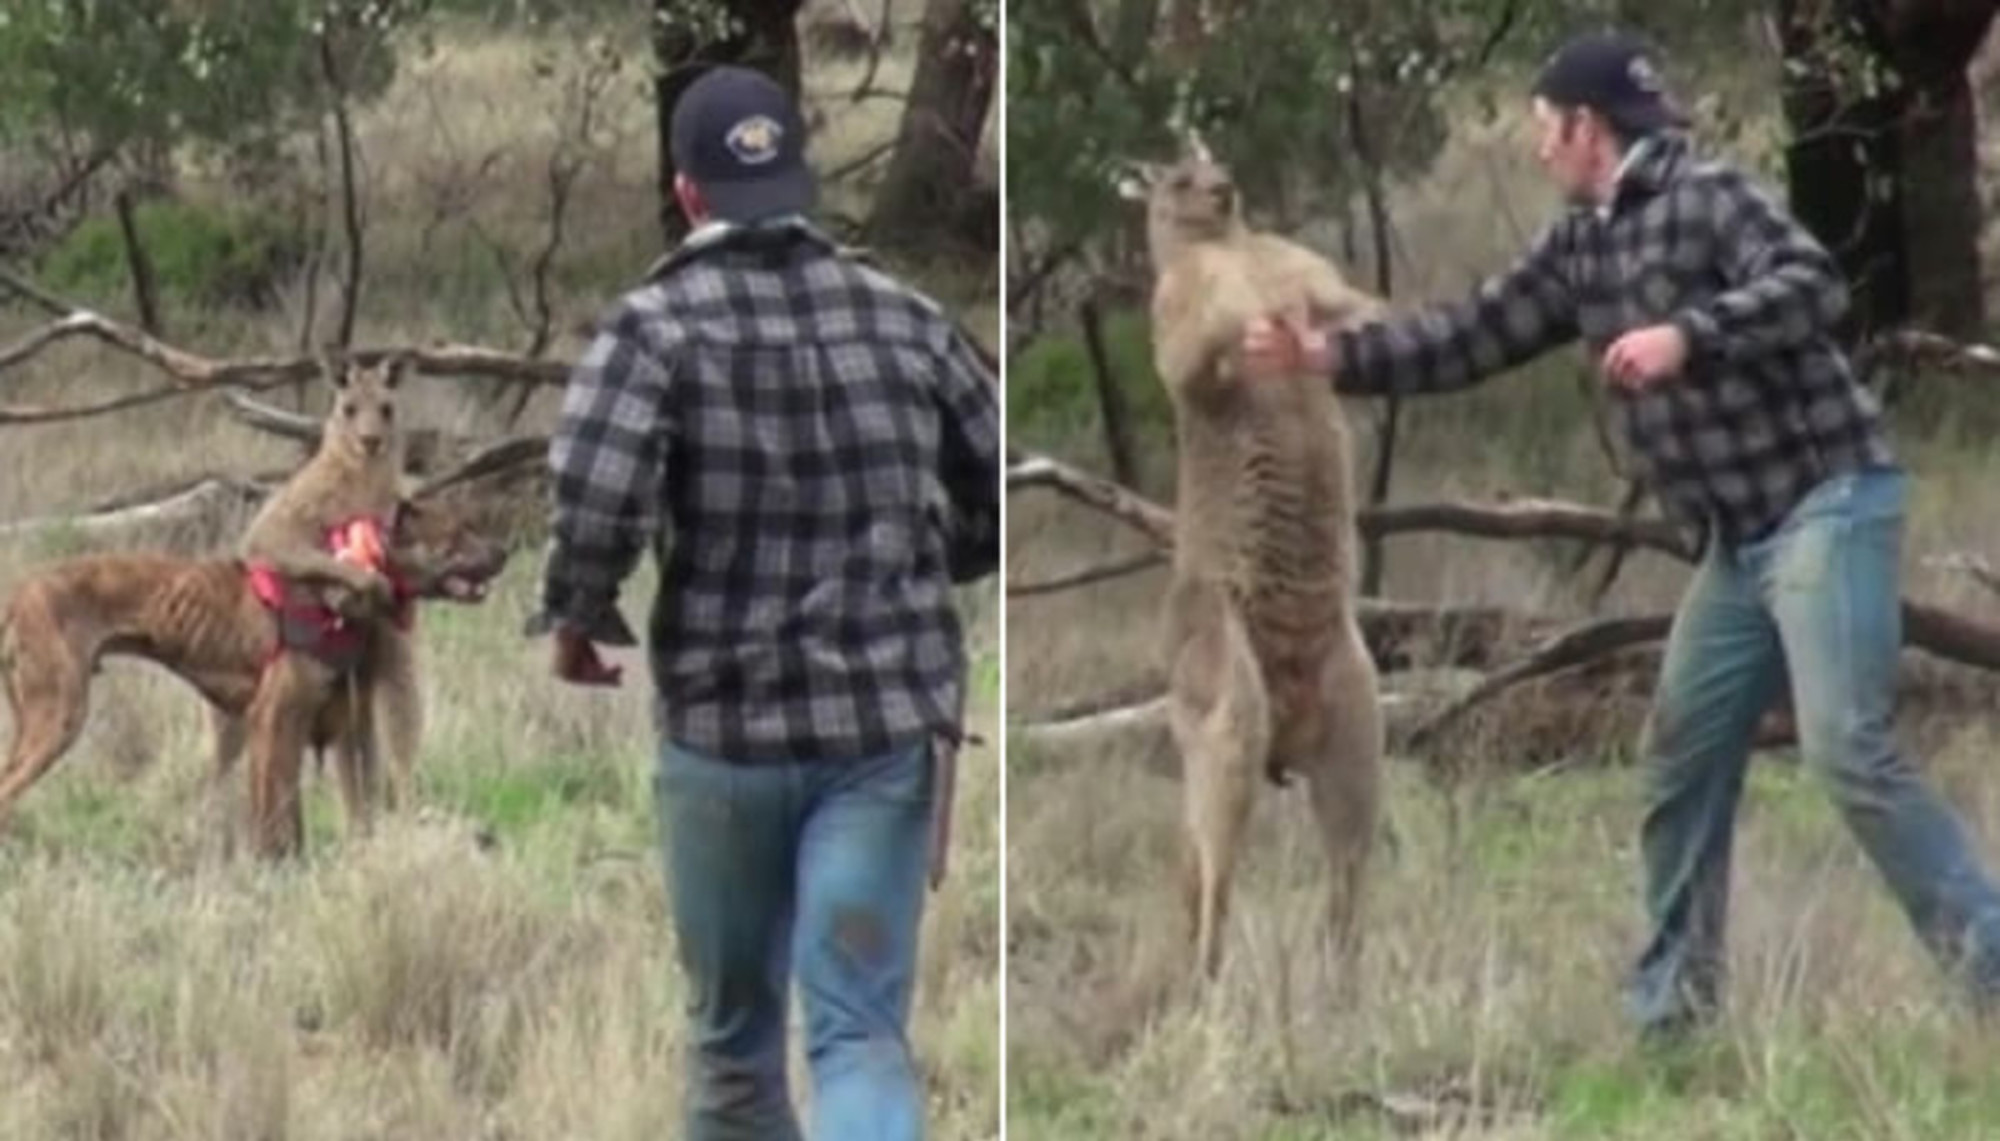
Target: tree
[930, 197]
[1883, 163]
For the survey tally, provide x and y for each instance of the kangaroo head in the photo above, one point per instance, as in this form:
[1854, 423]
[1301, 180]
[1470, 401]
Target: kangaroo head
[1190, 199]
[362, 421]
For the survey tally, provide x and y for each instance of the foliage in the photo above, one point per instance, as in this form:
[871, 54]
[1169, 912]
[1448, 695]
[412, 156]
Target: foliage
[116, 71]
[1093, 86]
[1049, 389]
[204, 255]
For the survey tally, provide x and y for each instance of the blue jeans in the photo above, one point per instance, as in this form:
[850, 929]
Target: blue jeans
[814, 865]
[1818, 602]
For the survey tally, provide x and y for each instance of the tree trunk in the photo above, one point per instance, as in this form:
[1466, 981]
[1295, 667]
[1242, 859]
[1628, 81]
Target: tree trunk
[1844, 164]
[1886, 174]
[930, 196]
[1932, 43]
[767, 39]
[1941, 211]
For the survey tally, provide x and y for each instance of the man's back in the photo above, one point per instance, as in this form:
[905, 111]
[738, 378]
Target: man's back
[819, 429]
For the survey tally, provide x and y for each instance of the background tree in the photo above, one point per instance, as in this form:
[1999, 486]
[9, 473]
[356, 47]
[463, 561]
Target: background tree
[931, 197]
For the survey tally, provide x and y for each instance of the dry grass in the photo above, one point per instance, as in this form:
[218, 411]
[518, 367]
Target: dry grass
[496, 964]
[1489, 984]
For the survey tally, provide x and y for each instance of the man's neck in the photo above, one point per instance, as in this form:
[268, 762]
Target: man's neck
[1607, 187]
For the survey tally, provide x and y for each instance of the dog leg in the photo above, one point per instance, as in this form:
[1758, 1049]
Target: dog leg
[1346, 780]
[1219, 713]
[48, 689]
[227, 731]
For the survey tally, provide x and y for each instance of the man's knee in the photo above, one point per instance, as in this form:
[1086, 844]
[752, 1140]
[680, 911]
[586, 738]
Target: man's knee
[1856, 756]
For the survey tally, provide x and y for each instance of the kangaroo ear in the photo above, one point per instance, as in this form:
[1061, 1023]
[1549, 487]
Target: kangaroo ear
[1196, 147]
[1135, 180]
[393, 369]
[334, 371]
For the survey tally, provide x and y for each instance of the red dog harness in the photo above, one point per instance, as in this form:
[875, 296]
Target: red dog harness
[307, 624]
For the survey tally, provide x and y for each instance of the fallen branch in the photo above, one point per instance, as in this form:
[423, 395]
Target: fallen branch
[204, 501]
[192, 370]
[1574, 647]
[28, 290]
[506, 455]
[1918, 344]
[36, 414]
[1148, 518]
[1512, 519]
[1981, 571]
[277, 421]
[1524, 519]
[1088, 576]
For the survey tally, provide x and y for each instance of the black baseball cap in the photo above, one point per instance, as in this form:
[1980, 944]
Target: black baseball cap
[740, 137]
[1615, 74]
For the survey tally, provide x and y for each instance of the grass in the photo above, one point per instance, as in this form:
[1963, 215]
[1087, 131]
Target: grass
[1506, 908]
[495, 962]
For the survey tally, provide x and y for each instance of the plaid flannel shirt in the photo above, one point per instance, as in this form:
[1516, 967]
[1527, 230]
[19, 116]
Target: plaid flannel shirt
[1767, 405]
[814, 451]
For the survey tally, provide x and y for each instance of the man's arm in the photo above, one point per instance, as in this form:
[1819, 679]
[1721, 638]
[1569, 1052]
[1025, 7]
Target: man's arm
[1510, 318]
[1784, 287]
[969, 411]
[606, 456]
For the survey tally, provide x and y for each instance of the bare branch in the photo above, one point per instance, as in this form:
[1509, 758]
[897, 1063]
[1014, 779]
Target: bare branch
[493, 459]
[1573, 647]
[1148, 518]
[144, 294]
[205, 500]
[1513, 519]
[35, 414]
[278, 422]
[49, 302]
[1112, 407]
[350, 197]
[1525, 519]
[1103, 572]
[192, 370]
[1920, 345]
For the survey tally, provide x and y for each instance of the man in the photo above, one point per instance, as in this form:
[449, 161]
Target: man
[823, 445]
[1709, 311]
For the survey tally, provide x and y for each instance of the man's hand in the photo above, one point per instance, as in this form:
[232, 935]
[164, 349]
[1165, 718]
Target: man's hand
[576, 660]
[1644, 357]
[1279, 347]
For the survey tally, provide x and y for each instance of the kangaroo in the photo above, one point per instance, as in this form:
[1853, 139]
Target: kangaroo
[356, 473]
[1266, 664]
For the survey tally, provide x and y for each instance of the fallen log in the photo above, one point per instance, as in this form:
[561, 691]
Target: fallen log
[1528, 518]
[194, 371]
[201, 506]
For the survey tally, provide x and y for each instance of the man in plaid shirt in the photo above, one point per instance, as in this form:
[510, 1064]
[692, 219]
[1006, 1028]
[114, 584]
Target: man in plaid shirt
[1710, 312]
[815, 447]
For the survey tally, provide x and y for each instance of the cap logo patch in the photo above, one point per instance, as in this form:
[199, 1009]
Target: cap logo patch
[1640, 71]
[754, 141]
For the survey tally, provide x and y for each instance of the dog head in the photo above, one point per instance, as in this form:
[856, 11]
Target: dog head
[444, 550]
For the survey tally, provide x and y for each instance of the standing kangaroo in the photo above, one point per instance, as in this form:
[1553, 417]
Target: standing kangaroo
[1266, 664]
[355, 473]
